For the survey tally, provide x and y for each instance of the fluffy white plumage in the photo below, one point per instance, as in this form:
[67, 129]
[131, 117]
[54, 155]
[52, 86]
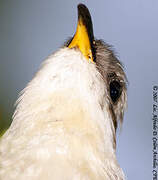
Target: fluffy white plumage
[62, 128]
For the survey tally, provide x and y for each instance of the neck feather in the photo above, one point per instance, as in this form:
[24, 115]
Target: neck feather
[67, 99]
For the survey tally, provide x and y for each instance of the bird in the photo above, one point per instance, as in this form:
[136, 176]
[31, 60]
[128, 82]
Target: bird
[65, 120]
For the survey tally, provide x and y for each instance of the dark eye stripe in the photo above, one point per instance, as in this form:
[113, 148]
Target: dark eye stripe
[115, 90]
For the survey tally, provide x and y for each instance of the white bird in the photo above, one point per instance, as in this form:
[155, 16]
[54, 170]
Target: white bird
[64, 125]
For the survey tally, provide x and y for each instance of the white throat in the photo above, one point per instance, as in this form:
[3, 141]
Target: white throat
[62, 120]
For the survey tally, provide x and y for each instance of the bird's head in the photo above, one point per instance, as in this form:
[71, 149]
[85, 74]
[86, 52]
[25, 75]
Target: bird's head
[81, 82]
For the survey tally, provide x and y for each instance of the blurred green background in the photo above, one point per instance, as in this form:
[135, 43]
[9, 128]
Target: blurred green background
[5, 120]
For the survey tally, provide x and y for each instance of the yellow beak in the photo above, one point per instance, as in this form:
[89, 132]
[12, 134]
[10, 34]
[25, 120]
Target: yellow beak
[83, 38]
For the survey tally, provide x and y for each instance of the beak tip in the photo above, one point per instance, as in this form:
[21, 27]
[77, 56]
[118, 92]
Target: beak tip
[83, 11]
[81, 6]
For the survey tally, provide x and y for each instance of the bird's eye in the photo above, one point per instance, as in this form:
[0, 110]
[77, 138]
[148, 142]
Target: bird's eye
[115, 90]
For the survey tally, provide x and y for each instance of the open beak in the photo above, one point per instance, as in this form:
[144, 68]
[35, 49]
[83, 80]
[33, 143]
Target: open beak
[84, 38]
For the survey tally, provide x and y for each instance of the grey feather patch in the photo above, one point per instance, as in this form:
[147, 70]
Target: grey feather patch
[111, 69]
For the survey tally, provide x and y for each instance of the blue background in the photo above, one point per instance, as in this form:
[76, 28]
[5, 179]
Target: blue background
[31, 30]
